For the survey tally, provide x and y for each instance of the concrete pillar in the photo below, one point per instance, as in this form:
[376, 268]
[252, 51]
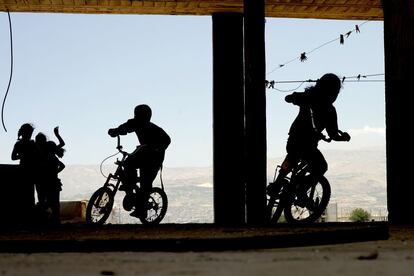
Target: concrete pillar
[228, 119]
[255, 110]
[399, 61]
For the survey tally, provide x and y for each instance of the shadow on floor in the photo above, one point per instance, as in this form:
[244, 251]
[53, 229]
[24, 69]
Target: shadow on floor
[184, 237]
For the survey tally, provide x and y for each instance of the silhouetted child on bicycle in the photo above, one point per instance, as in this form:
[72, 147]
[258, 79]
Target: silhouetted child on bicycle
[316, 114]
[148, 156]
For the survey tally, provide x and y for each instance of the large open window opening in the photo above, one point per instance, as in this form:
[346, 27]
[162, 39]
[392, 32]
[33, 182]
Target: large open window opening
[357, 169]
[86, 73]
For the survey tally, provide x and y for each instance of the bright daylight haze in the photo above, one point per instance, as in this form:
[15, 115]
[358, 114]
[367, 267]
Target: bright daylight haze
[86, 73]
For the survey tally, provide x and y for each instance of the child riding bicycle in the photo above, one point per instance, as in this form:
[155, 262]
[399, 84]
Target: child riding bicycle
[148, 156]
[316, 114]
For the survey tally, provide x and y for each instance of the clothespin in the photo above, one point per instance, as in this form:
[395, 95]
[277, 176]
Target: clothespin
[303, 57]
[357, 29]
[348, 34]
[341, 39]
[343, 79]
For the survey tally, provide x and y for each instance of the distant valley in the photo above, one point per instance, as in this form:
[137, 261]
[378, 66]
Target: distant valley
[357, 177]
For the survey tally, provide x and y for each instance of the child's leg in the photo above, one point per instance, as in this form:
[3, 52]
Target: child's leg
[285, 168]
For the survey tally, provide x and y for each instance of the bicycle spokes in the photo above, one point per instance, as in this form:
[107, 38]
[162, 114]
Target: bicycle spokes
[153, 206]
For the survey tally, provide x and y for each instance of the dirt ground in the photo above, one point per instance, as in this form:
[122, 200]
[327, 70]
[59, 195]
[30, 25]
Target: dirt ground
[386, 256]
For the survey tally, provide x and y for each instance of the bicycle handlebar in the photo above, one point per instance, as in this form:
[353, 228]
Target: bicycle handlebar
[323, 137]
[341, 133]
[119, 146]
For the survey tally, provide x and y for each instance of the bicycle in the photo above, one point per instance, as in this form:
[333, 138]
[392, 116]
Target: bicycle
[102, 200]
[294, 195]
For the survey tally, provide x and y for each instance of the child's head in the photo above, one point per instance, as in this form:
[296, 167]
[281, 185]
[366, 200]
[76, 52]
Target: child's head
[142, 113]
[41, 138]
[328, 87]
[25, 131]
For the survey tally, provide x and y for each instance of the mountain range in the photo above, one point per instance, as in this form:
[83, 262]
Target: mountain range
[357, 178]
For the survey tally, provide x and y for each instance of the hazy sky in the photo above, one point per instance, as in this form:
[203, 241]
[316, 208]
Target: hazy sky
[86, 73]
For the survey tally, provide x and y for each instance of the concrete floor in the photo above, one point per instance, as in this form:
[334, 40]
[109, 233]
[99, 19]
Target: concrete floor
[393, 255]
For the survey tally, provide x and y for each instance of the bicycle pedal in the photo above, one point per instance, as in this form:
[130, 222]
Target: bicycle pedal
[304, 202]
[309, 204]
[125, 188]
[138, 213]
[272, 188]
[133, 214]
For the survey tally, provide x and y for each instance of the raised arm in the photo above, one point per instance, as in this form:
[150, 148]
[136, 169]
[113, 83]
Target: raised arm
[61, 142]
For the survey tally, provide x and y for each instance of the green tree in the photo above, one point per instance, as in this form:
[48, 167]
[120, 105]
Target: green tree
[359, 215]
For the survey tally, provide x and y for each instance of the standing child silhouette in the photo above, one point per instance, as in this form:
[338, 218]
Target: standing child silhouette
[26, 152]
[50, 185]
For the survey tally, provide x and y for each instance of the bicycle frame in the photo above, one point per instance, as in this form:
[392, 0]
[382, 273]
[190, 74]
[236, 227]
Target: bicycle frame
[154, 205]
[117, 176]
[299, 173]
[296, 192]
[287, 188]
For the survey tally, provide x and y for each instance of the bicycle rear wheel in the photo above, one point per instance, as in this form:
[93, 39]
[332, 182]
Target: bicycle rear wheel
[317, 199]
[100, 206]
[156, 206]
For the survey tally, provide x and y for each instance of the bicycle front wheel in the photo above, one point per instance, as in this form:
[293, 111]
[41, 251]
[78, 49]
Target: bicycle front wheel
[100, 206]
[275, 203]
[312, 207]
[155, 206]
